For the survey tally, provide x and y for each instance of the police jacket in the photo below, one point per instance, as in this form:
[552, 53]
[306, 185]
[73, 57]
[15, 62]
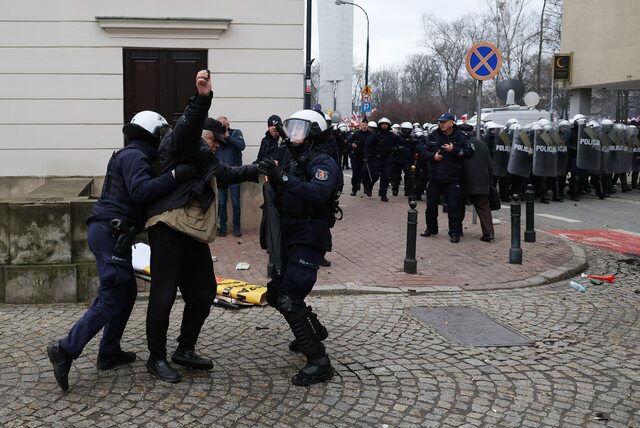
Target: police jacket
[379, 145]
[359, 138]
[403, 149]
[305, 201]
[130, 184]
[269, 149]
[185, 145]
[477, 171]
[231, 151]
[449, 168]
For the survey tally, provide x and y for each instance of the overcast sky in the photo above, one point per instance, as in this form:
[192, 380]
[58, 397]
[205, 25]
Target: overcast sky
[396, 26]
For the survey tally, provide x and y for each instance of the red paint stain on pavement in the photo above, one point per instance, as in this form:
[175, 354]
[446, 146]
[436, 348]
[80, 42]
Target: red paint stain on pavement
[612, 240]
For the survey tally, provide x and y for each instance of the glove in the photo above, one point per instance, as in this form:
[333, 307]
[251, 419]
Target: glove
[269, 168]
[184, 172]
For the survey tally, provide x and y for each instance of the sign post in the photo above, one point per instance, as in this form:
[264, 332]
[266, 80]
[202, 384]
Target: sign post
[483, 63]
[366, 102]
[561, 70]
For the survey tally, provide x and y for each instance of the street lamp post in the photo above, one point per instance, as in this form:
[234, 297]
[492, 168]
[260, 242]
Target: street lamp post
[366, 64]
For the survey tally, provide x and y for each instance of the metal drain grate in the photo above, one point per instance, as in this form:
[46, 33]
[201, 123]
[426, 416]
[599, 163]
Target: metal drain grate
[469, 326]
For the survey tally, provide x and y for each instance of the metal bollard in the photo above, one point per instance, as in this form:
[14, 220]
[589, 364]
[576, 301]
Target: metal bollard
[412, 184]
[515, 252]
[410, 263]
[529, 199]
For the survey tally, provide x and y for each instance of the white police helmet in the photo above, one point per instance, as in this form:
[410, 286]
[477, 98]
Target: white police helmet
[372, 124]
[304, 124]
[343, 127]
[581, 119]
[146, 125]
[384, 120]
[425, 126]
[406, 125]
[564, 124]
[593, 124]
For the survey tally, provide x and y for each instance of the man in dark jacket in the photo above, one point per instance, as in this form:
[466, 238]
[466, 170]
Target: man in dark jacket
[356, 144]
[477, 174]
[230, 153]
[377, 153]
[120, 213]
[269, 146]
[177, 259]
[446, 148]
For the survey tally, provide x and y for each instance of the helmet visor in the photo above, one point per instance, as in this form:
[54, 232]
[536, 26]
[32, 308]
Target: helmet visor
[297, 129]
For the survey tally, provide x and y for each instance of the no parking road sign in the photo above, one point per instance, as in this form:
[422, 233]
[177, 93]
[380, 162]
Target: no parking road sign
[483, 61]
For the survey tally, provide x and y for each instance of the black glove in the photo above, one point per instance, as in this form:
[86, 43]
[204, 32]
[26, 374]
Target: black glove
[269, 168]
[184, 172]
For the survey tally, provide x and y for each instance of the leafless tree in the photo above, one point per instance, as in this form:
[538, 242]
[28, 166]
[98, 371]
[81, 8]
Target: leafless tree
[419, 80]
[386, 84]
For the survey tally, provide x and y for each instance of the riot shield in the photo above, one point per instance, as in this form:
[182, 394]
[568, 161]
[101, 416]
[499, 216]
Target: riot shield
[520, 158]
[635, 148]
[607, 165]
[589, 154]
[617, 153]
[501, 155]
[544, 155]
[562, 155]
[627, 144]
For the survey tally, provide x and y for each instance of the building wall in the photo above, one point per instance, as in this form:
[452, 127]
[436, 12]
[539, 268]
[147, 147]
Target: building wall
[335, 38]
[603, 36]
[61, 75]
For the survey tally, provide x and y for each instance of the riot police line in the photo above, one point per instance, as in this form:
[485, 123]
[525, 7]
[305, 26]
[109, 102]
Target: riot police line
[571, 157]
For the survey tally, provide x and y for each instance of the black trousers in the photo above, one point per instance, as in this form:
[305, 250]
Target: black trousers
[453, 196]
[178, 261]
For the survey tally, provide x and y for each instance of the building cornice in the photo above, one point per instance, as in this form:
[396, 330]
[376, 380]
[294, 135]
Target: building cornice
[145, 27]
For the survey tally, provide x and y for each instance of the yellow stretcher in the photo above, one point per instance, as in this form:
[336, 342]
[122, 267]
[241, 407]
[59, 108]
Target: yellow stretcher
[233, 292]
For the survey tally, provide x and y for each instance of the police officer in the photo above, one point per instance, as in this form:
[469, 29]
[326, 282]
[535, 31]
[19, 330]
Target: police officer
[421, 164]
[306, 186]
[356, 144]
[402, 155]
[445, 150]
[377, 153]
[130, 184]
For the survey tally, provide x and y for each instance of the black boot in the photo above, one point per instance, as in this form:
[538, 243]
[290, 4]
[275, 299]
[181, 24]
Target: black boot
[318, 367]
[319, 330]
[61, 364]
[189, 358]
[109, 361]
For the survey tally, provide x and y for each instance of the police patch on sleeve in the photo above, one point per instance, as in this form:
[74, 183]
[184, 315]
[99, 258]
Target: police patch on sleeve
[322, 175]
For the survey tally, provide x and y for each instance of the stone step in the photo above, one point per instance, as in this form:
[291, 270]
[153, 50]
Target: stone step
[60, 188]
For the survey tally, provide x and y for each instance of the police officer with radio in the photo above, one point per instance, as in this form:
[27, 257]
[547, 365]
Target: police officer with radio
[446, 148]
[120, 213]
[306, 185]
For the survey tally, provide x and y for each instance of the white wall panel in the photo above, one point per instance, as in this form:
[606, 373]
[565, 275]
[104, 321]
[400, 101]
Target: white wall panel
[106, 60]
[15, 163]
[222, 60]
[257, 85]
[28, 137]
[249, 108]
[68, 34]
[61, 86]
[61, 111]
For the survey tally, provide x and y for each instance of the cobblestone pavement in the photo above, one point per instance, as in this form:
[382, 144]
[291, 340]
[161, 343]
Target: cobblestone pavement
[391, 370]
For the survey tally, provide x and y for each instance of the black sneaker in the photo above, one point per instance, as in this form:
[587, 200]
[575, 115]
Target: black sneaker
[315, 371]
[384, 199]
[325, 263]
[455, 238]
[163, 371]
[61, 364]
[428, 233]
[189, 358]
[109, 361]
[488, 238]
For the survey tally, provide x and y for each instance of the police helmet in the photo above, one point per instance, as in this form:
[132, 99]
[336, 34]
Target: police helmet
[631, 131]
[384, 120]
[416, 125]
[492, 125]
[515, 127]
[580, 119]
[536, 128]
[607, 124]
[305, 124]
[564, 124]
[343, 127]
[372, 124]
[419, 134]
[425, 126]
[544, 122]
[432, 128]
[395, 127]
[593, 124]
[148, 126]
[406, 125]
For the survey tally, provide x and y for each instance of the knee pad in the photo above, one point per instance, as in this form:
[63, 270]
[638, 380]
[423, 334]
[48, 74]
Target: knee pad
[287, 304]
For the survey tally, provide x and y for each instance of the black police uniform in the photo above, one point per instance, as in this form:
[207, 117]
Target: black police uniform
[270, 149]
[305, 202]
[358, 173]
[377, 152]
[402, 155]
[444, 178]
[130, 184]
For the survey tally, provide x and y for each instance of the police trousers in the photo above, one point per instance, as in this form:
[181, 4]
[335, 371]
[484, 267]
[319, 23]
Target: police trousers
[178, 261]
[116, 296]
